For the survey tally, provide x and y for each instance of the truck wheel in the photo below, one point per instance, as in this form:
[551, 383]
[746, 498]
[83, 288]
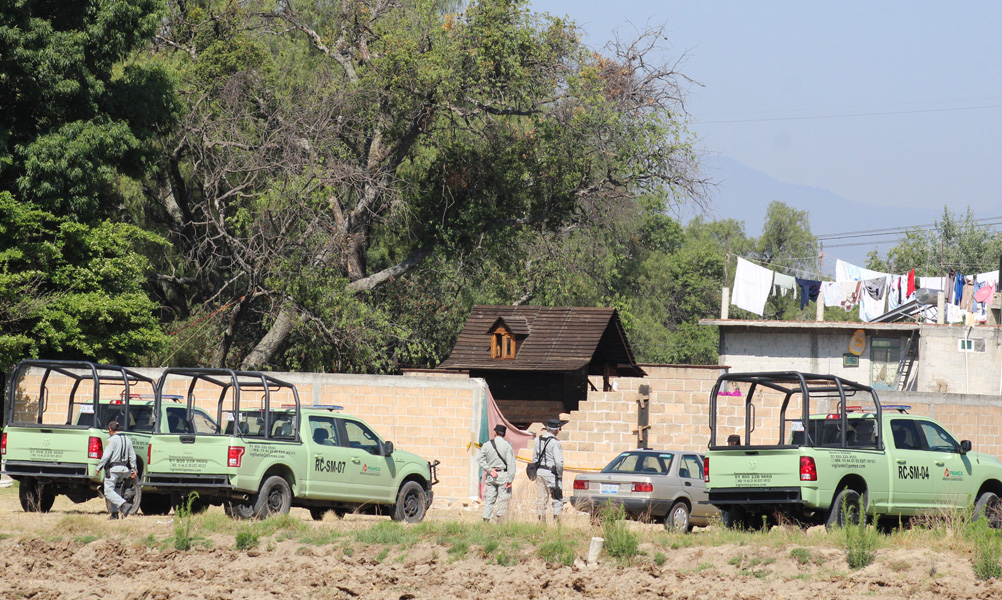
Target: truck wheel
[240, 510]
[990, 507]
[35, 496]
[678, 518]
[155, 504]
[844, 510]
[275, 497]
[410, 504]
[318, 512]
[131, 491]
[734, 518]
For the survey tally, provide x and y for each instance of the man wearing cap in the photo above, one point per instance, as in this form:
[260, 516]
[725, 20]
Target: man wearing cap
[549, 478]
[498, 459]
[120, 459]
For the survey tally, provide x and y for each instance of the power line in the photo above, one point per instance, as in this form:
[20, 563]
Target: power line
[892, 230]
[844, 116]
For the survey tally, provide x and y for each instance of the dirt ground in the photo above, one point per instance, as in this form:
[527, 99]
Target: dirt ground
[58, 555]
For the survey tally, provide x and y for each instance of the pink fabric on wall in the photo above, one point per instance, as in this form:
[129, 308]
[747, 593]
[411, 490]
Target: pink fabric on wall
[518, 438]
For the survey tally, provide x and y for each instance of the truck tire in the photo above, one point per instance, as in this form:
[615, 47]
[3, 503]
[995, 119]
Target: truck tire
[131, 491]
[240, 510]
[35, 496]
[275, 498]
[990, 507]
[678, 518]
[845, 509]
[734, 518]
[155, 504]
[411, 503]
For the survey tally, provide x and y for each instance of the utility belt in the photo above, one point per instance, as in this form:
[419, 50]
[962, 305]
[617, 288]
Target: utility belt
[119, 464]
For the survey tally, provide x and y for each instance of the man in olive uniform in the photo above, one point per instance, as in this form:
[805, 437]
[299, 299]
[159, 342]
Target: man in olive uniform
[498, 459]
[120, 459]
[549, 478]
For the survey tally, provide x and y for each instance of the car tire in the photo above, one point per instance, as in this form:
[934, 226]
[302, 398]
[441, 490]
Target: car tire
[35, 496]
[274, 498]
[132, 492]
[678, 518]
[155, 504]
[990, 507]
[411, 503]
[845, 509]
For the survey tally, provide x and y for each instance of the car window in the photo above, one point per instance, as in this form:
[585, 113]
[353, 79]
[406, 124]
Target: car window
[906, 435]
[360, 436]
[283, 425]
[640, 462]
[203, 422]
[323, 431]
[691, 467]
[937, 438]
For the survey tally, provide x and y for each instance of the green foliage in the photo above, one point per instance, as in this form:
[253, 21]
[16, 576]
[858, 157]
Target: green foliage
[801, 555]
[70, 290]
[387, 532]
[955, 242]
[987, 545]
[620, 543]
[559, 552]
[660, 558]
[183, 525]
[861, 541]
[246, 540]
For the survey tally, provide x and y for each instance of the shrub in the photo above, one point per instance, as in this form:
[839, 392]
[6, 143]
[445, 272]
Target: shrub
[557, 552]
[987, 549]
[246, 540]
[801, 555]
[183, 525]
[860, 543]
[620, 542]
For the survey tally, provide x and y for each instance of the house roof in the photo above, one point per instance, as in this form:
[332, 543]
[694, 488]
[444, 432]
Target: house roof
[551, 338]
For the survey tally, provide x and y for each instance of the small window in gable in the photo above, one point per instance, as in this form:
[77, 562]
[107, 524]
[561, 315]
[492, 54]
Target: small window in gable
[503, 344]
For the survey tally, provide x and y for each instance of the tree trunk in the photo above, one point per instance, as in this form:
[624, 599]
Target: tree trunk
[219, 359]
[271, 342]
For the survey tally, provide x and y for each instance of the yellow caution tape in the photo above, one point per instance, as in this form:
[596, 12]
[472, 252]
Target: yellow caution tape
[529, 460]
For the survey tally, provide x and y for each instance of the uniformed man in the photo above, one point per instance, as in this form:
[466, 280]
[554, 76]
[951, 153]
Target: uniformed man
[498, 459]
[119, 460]
[549, 478]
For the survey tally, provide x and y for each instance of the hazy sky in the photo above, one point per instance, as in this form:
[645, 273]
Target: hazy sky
[883, 103]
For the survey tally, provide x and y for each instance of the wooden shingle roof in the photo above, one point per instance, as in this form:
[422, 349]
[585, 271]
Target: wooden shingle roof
[556, 338]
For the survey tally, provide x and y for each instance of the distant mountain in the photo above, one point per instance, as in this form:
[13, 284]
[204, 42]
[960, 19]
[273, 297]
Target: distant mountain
[744, 193]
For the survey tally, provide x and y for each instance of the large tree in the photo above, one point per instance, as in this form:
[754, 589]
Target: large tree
[334, 156]
[78, 109]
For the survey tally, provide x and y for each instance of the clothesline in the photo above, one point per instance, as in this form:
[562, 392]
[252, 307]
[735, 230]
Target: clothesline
[874, 292]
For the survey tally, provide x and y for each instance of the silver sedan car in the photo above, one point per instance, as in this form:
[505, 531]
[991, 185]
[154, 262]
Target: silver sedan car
[650, 485]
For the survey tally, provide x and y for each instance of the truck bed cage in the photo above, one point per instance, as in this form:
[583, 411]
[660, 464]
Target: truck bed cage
[809, 386]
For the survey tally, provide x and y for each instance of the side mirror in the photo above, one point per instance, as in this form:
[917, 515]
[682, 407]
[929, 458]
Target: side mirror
[388, 448]
[965, 446]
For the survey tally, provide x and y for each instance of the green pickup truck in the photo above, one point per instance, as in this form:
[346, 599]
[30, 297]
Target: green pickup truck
[269, 453]
[56, 429]
[814, 448]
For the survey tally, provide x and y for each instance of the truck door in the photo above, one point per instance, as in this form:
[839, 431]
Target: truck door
[372, 475]
[951, 469]
[911, 468]
[327, 459]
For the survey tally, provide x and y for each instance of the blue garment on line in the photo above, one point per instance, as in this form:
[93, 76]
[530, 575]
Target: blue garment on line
[809, 290]
[958, 289]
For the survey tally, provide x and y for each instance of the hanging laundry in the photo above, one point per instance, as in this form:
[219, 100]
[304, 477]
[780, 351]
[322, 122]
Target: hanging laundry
[809, 290]
[954, 314]
[832, 293]
[967, 297]
[871, 302]
[933, 283]
[751, 286]
[958, 289]
[849, 272]
[911, 283]
[895, 292]
[850, 294]
[783, 284]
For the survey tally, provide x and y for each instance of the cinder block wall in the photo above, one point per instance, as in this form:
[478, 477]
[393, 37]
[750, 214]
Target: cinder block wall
[438, 416]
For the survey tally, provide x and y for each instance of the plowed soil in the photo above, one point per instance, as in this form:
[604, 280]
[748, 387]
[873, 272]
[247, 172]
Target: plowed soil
[59, 555]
